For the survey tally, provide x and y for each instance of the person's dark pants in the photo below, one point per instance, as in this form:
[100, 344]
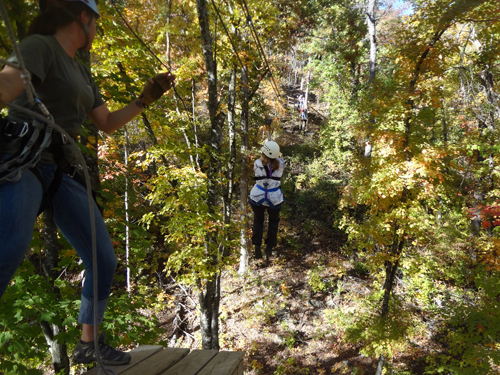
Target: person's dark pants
[258, 225]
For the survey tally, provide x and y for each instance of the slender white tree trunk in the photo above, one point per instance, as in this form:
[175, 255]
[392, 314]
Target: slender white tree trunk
[245, 227]
[127, 229]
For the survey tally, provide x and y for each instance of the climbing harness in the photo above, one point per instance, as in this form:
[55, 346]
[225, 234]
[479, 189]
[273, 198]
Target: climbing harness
[268, 176]
[44, 123]
[31, 138]
[266, 198]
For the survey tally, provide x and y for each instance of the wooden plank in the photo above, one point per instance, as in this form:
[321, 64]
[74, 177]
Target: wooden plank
[224, 363]
[138, 355]
[159, 362]
[191, 364]
[239, 369]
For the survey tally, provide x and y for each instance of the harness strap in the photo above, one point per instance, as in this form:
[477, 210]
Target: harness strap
[269, 190]
[48, 191]
[63, 167]
[267, 178]
[15, 129]
[269, 172]
[58, 140]
[31, 139]
[269, 175]
[266, 198]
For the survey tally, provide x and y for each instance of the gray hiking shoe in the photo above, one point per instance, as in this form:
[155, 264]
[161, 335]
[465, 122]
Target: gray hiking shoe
[85, 353]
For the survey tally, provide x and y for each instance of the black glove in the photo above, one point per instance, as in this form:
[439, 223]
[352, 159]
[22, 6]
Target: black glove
[155, 87]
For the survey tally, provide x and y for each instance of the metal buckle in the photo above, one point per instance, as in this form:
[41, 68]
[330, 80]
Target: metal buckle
[74, 170]
[24, 130]
[64, 139]
[10, 126]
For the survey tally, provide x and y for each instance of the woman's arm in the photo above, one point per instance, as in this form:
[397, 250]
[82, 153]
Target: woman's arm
[108, 121]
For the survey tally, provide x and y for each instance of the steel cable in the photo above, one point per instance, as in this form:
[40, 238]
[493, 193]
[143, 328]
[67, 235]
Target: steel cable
[153, 54]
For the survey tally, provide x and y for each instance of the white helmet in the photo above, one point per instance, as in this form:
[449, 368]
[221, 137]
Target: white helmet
[271, 149]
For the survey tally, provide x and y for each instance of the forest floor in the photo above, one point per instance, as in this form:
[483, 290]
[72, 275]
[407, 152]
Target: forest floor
[284, 314]
[287, 314]
[290, 314]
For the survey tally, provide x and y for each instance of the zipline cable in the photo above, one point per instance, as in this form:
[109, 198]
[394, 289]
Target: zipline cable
[227, 33]
[256, 38]
[246, 12]
[153, 54]
[47, 119]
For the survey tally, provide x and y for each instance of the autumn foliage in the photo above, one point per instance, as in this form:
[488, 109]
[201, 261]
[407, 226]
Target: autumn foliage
[402, 175]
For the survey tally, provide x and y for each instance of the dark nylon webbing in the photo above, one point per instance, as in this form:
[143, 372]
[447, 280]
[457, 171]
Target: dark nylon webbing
[63, 166]
[268, 178]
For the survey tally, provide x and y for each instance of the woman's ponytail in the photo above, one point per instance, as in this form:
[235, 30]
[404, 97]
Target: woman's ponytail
[275, 164]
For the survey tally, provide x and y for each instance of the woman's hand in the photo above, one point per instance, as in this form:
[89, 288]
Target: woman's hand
[155, 88]
[108, 121]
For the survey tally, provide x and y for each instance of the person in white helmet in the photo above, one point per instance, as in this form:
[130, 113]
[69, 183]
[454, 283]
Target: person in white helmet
[67, 89]
[266, 195]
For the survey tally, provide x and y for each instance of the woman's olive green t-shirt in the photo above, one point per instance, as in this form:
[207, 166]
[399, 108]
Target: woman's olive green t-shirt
[64, 85]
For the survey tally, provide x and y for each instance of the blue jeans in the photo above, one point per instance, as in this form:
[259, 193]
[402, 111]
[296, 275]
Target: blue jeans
[19, 204]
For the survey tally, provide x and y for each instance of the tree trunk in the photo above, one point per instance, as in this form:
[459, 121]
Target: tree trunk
[209, 296]
[489, 86]
[195, 131]
[390, 272]
[231, 117]
[209, 299]
[244, 223]
[306, 95]
[372, 34]
[125, 202]
[371, 23]
[58, 352]
[445, 125]
[186, 138]
[486, 120]
[354, 86]
[306, 100]
[380, 365]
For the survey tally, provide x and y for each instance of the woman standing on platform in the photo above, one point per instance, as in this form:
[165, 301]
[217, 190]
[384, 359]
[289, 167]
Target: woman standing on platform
[67, 89]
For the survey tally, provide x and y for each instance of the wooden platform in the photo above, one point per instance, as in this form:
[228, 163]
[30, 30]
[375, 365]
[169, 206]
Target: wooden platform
[156, 360]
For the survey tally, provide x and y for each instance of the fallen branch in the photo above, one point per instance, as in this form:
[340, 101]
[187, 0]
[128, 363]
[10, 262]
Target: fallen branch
[319, 113]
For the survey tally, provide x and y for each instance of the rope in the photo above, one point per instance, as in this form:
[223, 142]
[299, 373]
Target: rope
[25, 75]
[32, 100]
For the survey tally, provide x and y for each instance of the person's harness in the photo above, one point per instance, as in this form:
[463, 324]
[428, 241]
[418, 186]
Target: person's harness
[23, 142]
[32, 139]
[266, 191]
[47, 123]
